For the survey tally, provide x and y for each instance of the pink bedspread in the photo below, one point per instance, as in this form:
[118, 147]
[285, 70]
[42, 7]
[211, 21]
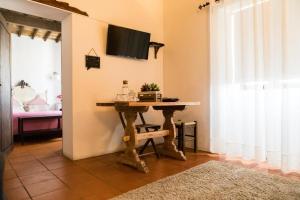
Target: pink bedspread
[36, 124]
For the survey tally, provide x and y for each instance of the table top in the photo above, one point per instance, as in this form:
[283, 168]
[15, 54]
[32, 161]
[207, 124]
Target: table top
[138, 103]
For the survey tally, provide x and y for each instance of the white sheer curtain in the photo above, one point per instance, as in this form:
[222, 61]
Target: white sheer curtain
[255, 80]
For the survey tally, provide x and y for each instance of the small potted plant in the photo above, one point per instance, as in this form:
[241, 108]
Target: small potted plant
[150, 92]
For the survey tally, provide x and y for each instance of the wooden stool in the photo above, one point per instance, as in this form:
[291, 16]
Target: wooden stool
[181, 126]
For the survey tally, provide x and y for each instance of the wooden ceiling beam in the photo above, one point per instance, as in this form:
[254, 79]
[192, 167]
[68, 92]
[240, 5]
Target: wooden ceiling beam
[20, 30]
[47, 34]
[62, 5]
[34, 32]
[58, 37]
[29, 20]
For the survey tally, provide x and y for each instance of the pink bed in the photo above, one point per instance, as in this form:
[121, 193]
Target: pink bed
[36, 124]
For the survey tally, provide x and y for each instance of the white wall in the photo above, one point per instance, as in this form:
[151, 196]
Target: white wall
[35, 61]
[67, 81]
[88, 130]
[186, 60]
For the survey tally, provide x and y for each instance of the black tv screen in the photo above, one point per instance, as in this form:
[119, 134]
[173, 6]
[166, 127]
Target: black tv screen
[127, 42]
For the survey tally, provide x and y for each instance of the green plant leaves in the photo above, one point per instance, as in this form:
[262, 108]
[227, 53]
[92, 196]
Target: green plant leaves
[150, 87]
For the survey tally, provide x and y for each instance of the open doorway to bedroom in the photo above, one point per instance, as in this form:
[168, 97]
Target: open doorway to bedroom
[35, 78]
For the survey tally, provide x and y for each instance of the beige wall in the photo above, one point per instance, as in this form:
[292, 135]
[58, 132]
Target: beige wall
[88, 130]
[186, 60]
[143, 15]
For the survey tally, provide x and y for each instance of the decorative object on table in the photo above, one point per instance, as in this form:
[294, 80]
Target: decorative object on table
[126, 94]
[182, 127]
[168, 99]
[132, 96]
[92, 61]
[123, 96]
[125, 87]
[151, 87]
[156, 47]
[150, 93]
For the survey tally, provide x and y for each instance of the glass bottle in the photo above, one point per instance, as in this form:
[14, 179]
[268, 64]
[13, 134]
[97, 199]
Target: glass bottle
[125, 88]
[125, 91]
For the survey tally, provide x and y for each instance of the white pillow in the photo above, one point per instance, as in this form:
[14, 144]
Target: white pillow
[17, 109]
[42, 95]
[37, 100]
[17, 106]
[38, 108]
[36, 104]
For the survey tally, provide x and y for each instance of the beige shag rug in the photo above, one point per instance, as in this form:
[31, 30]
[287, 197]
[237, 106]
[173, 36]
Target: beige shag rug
[217, 180]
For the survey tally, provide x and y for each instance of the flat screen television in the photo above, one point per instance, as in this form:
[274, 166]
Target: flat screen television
[127, 42]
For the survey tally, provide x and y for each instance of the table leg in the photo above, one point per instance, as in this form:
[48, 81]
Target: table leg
[169, 146]
[130, 156]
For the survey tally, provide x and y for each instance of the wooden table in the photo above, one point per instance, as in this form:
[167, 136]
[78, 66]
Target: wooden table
[131, 137]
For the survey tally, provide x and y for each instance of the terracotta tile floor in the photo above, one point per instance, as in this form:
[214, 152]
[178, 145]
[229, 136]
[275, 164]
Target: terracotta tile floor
[39, 171]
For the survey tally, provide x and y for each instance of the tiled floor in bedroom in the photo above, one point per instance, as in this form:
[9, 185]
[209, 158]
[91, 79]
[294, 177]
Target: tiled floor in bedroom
[39, 171]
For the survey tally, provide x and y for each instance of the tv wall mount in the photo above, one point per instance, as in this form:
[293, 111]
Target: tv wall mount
[156, 47]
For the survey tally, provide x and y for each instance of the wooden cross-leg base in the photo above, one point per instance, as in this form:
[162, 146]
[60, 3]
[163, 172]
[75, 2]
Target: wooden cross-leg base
[130, 156]
[169, 147]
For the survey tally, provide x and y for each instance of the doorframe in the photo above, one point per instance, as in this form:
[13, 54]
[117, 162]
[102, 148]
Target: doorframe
[3, 22]
[64, 27]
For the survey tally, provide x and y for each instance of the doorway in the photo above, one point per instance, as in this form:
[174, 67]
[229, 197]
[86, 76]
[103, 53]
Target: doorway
[35, 77]
[64, 17]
